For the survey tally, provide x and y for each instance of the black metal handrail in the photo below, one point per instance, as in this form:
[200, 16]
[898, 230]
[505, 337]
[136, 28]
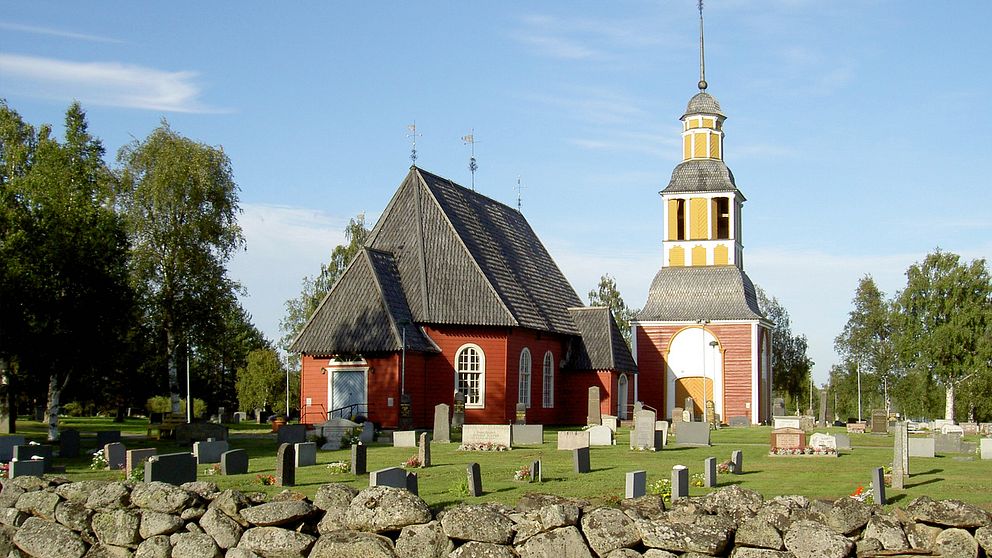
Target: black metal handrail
[353, 409]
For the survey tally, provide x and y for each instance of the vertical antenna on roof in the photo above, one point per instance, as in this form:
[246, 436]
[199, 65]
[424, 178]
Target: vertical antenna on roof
[472, 167]
[702, 59]
[519, 188]
[413, 134]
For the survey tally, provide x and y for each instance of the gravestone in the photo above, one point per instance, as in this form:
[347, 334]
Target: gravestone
[535, 471]
[689, 410]
[638, 406]
[474, 480]
[676, 418]
[778, 407]
[458, 416]
[600, 436]
[26, 468]
[879, 422]
[788, 438]
[950, 428]
[406, 411]
[107, 437]
[306, 454]
[172, 468]
[843, 441]
[900, 456]
[7, 444]
[239, 417]
[234, 462]
[115, 454]
[822, 422]
[367, 435]
[643, 436]
[209, 452]
[334, 432]
[969, 428]
[739, 421]
[521, 413]
[824, 441]
[878, 486]
[580, 460]
[30, 451]
[593, 414]
[359, 459]
[636, 485]
[786, 422]
[947, 443]
[285, 465]
[69, 444]
[405, 439]
[693, 434]
[611, 422]
[442, 424]
[710, 413]
[135, 459]
[921, 447]
[709, 472]
[680, 482]
[260, 416]
[571, 439]
[527, 434]
[391, 476]
[737, 462]
[292, 434]
[985, 448]
[856, 427]
[424, 450]
[411, 483]
[661, 427]
[499, 434]
[200, 432]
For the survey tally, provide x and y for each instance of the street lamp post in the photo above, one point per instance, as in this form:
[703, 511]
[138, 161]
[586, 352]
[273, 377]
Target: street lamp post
[714, 344]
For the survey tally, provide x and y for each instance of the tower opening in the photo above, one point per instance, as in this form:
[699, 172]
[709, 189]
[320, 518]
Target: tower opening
[723, 218]
[680, 219]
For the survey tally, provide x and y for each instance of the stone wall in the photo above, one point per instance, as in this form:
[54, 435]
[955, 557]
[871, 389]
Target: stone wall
[52, 518]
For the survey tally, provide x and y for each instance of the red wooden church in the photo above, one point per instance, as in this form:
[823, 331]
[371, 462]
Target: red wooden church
[453, 292]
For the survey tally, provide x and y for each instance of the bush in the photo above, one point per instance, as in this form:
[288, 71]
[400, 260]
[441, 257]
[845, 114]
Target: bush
[73, 409]
[163, 404]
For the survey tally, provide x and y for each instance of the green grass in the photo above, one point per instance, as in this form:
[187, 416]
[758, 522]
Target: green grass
[442, 484]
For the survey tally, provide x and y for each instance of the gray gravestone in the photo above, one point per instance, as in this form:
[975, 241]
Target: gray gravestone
[458, 414]
[7, 444]
[535, 471]
[405, 439]
[69, 444]
[292, 434]
[921, 447]
[676, 416]
[600, 436]
[285, 465]
[116, 456]
[737, 462]
[985, 449]
[611, 422]
[234, 462]
[442, 424]
[680, 482]
[947, 443]
[521, 417]
[878, 486]
[594, 416]
[107, 437]
[580, 460]
[900, 456]
[843, 441]
[26, 468]
[172, 468]
[424, 450]
[636, 485]
[572, 439]
[709, 472]
[823, 409]
[135, 459]
[367, 436]
[392, 476]
[306, 454]
[661, 427]
[411, 483]
[739, 422]
[643, 435]
[209, 452]
[474, 479]
[778, 407]
[337, 432]
[239, 417]
[879, 422]
[693, 434]
[359, 459]
[690, 407]
[527, 434]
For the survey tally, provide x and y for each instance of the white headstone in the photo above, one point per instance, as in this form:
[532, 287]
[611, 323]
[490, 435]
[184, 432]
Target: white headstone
[571, 439]
[499, 434]
[600, 436]
[405, 439]
[787, 422]
[951, 429]
[819, 440]
[986, 448]
[611, 422]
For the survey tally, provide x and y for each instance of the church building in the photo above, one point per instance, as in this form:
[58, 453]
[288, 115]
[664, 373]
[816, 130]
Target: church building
[453, 292]
[701, 333]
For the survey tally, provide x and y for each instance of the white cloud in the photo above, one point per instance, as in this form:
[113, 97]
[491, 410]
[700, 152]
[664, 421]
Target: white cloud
[103, 83]
[57, 33]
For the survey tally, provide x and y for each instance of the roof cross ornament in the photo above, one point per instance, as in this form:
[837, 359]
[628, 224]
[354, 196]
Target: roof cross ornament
[702, 59]
[472, 166]
[519, 188]
[412, 128]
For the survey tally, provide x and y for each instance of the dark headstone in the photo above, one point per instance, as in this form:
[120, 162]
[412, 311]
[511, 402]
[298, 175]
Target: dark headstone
[580, 460]
[521, 413]
[359, 465]
[395, 477]
[234, 462]
[879, 422]
[680, 482]
[292, 434]
[442, 424]
[406, 412]
[286, 465]
[636, 485]
[28, 468]
[107, 437]
[135, 459]
[458, 415]
[693, 434]
[200, 432]
[209, 452]
[474, 480]
[411, 483]
[260, 416]
[737, 462]
[7, 444]
[594, 416]
[878, 485]
[27, 451]
[778, 407]
[116, 456]
[535, 471]
[709, 472]
[172, 468]
[306, 454]
[424, 450]
[739, 422]
[69, 443]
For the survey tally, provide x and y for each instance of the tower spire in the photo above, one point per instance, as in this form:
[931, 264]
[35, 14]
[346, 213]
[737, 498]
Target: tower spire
[702, 57]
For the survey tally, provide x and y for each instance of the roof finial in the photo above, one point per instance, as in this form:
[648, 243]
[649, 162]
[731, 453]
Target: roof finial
[472, 165]
[412, 128]
[702, 58]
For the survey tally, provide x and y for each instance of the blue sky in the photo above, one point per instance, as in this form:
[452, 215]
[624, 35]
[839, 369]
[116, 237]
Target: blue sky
[858, 131]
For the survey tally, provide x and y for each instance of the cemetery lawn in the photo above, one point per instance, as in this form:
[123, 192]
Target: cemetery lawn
[444, 483]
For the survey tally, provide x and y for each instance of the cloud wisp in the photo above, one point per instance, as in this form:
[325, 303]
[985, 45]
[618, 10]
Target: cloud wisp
[50, 32]
[104, 83]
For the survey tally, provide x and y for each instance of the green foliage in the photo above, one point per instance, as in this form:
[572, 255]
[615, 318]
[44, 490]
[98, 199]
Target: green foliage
[866, 345]
[791, 367]
[607, 294]
[262, 381]
[163, 404]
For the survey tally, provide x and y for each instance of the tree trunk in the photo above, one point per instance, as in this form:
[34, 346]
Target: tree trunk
[949, 404]
[54, 393]
[173, 371]
[8, 415]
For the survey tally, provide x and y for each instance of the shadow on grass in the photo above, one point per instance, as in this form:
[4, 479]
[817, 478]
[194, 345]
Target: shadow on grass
[930, 472]
[896, 498]
[924, 483]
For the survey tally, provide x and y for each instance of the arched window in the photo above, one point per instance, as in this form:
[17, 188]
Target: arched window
[523, 379]
[470, 375]
[549, 380]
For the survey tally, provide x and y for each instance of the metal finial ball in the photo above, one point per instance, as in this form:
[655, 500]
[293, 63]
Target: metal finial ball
[702, 84]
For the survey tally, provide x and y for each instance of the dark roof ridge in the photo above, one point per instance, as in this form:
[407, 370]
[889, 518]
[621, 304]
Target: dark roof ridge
[327, 296]
[382, 295]
[469, 191]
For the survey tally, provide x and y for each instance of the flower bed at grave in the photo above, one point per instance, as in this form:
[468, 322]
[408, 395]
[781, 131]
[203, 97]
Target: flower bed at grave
[802, 452]
[483, 446]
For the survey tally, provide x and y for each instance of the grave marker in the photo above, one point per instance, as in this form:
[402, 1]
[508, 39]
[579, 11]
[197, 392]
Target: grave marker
[709, 472]
[535, 471]
[843, 441]
[856, 427]
[600, 436]
[921, 447]
[411, 483]
[788, 438]
[825, 441]
[947, 443]
[737, 462]
[458, 416]
[689, 410]
[594, 416]
[661, 427]
[359, 459]
[643, 436]
[405, 439]
[778, 407]
[739, 421]
[69, 444]
[234, 462]
[900, 456]
[367, 435]
[680, 482]
[26, 468]
[306, 454]
[636, 485]
[334, 431]
[611, 422]
[786, 422]
[527, 434]
[823, 410]
[693, 434]
[474, 480]
[878, 486]
[136, 458]
[115, 454]
[292, 434]
[442, 424]
[424, 450]
[879, 422]
[985, 448]
[29, 451]
[172, 468]
[500, 434]
[521, 413]
[209, 452]
[285, 465]
[107, 437]
[580, 460]
[572, 439]
[390, 476]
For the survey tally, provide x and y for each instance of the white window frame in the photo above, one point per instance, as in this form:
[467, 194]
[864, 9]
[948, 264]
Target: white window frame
[480, 403]
[548, 381]
[524, 377]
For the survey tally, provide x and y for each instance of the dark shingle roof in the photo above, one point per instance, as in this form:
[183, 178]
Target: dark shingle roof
[703, 103]
[370, 290]
[701, 175]
[601, 346]
[701, 292]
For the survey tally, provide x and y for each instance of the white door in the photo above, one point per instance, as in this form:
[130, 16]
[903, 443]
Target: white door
[347, 388]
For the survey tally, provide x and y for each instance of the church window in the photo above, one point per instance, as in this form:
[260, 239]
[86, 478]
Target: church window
[549, 381]
[722, 218]
[523, 379]
[679, 220]
[470, 375]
